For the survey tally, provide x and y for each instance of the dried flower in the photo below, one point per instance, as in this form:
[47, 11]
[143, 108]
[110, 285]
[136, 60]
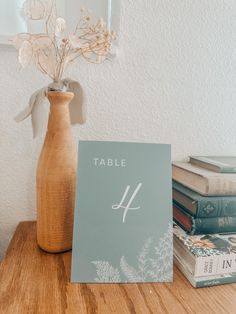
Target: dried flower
[19, 39]
[75, 41]
[60, 26]
[52, 51]
[25, 53]
[34, 9]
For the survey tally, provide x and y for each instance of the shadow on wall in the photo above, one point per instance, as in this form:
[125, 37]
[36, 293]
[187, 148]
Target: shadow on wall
[6, 231]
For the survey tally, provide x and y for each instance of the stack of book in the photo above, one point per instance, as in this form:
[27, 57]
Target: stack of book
[204, 209]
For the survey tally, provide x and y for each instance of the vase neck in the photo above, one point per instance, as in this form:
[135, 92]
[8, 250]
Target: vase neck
[59, 117]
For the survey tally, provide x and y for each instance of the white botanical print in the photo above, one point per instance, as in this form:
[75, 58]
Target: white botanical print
[106, 272]
[154, 263]
[130, 272]
[161, 269]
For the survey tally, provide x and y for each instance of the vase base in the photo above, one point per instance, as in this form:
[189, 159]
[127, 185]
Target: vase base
[54, 250]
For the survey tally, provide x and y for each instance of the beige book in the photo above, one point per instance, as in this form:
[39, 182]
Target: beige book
[203, 181]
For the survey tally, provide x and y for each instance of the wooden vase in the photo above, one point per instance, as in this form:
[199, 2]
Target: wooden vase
[56, 178]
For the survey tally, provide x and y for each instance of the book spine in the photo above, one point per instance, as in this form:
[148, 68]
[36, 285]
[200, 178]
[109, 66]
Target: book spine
[216, 207]
[228, 169]
[204, 266]
[207, 281]
[203, 164]
[215, 265]
[213, 225]
[213, 166]
[215, 281]
[217, 186]
[207, 207]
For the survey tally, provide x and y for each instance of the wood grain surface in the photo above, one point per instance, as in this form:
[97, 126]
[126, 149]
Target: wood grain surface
[33, 281]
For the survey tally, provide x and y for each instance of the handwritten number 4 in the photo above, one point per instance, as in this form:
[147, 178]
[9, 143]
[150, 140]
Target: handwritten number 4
[127, 207]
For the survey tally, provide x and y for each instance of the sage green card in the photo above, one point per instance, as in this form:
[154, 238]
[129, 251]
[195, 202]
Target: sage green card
[123, 213]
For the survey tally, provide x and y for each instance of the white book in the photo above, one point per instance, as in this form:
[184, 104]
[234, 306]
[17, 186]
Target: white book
[206, 255]
[204, 181]
[205, 281]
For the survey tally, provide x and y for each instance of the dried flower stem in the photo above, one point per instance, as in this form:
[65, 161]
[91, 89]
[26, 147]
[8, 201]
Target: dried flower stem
[52, 51]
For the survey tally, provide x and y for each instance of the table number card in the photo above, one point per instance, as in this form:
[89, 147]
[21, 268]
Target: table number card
[123, 214]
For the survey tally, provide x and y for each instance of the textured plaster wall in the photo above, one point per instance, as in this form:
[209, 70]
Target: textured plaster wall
[173, 81]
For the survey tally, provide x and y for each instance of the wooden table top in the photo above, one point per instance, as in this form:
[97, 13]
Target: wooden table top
[32, 281]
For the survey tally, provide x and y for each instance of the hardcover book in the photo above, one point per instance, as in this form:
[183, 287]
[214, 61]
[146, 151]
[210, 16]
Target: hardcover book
[203, 206]
[203, 225]
[204, 181]
[206, 254]
[123, 215]
[204, 281]
[224, 164]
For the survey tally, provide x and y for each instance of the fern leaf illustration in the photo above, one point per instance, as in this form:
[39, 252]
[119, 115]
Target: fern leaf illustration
[129, 271]
[142, 258]
[163, 262]
[106, 272]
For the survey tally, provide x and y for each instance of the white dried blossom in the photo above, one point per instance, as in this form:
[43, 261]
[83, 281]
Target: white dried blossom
[75, 41]
[25, 53]
[19, 39]
[41, 42]
[101, 22]
[34, 9]
[60, 26]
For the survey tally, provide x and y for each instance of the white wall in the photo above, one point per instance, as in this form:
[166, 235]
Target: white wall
[174, 81]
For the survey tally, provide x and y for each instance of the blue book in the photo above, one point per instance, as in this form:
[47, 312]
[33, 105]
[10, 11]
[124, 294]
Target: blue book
[203, 225]
[203, 206]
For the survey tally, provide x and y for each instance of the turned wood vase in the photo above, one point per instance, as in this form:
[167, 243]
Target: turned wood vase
[56, 178]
